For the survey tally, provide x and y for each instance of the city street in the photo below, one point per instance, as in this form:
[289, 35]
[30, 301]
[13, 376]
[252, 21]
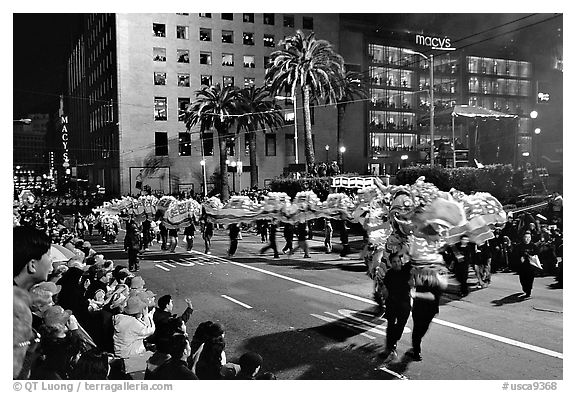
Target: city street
[314, 318]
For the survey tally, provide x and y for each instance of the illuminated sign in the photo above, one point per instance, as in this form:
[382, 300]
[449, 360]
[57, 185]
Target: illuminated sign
[543, 98]
[434, 42]
[64, 121]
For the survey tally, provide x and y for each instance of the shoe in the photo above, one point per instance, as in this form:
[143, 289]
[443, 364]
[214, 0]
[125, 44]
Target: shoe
[414, 355]
[307, 256]
[393, 355]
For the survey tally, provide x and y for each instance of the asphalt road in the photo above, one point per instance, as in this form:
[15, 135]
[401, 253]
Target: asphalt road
[314, 318]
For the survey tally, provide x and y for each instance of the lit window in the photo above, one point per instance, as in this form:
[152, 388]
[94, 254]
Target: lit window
[159, 29]
[248, 82]
[183, 104]
[183, 55]
[206, 80]
[288, 20]
[228, 81]
[182, 32]
[249, 62]
[268, 40]
[205, 34]
[248, 38]
[227, 36]
[227, 60]
[160, 78]
[205, 15]
[206, 58]
[248, 18]
[183, 80]
[160, 108]
[159, 54]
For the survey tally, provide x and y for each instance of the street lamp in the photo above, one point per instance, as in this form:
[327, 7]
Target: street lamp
[534, 114]
[233, 165]
[203, 165]
[22, 121]
[327, 148]
[431, 63]
[404, 157]
[342, 151]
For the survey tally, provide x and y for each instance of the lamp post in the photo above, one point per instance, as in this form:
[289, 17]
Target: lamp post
[233, 165]
[203, 165]
[342, 151]
[533, 116]
[431, 64]
[404, 157]
[537, 132]
[327, 147]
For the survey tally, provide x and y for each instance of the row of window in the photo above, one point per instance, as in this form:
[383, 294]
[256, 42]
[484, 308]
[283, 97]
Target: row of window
[267, 19]
[183, 56]
[185, 145]
[183, 80]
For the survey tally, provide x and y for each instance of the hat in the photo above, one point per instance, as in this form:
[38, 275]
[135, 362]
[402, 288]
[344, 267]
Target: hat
[122, 274]
[86, 244]
[147, 297]
[101, 273]
[250, 361]
[214, 330]
[118, 299]
[229, 370]
[137, 283]
[134, 305]
[47, 286]
[56, 315]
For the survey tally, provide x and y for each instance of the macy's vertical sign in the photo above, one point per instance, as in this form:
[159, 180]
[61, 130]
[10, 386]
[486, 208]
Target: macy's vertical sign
[434, 42]
[64, 121]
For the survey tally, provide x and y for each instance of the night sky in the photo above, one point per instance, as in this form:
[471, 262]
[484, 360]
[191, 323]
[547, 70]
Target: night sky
[41, 43]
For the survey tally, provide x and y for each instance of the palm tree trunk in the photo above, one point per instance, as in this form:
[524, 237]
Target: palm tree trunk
[253, 167]
[308, 145]
[340, 108]
[224, 191]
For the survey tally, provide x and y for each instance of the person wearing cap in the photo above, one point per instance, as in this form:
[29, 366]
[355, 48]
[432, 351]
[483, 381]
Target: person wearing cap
[42, 296]
[137, 284]
[60, 345]
[526, 273]
[31, 261]
[114, 305]
[131, 328]
[132, 245]
[250, 364]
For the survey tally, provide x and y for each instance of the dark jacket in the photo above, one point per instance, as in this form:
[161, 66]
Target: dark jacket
[173, 369]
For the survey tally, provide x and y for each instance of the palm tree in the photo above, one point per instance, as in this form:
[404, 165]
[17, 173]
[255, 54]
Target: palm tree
[352, 86]
[312, 66]
[259, 113]
[215, 107]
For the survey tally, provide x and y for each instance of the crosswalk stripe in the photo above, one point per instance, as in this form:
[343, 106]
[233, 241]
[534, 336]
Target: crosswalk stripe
[187, 264]
[200, 263]
[169, 264]
[162, 267]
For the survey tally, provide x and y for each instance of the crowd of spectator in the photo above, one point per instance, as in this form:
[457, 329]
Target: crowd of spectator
[89, 318]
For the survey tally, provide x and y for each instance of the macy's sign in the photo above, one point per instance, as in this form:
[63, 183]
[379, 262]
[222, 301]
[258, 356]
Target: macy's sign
[434, 42]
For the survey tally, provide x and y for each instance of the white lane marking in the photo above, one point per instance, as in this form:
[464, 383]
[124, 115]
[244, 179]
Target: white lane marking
[237, 301]
[341, 322]
[169, 264]
[505, 340]
[355, 325]
[200, 263]
[348, 314]
[372, 302]
[162, 267]
[187, 264]
[394, 373]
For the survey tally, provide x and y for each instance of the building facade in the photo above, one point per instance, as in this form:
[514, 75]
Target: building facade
[31, 155]
[139, 72]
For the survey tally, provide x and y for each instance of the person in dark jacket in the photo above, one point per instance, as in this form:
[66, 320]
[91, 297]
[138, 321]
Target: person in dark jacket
[288, 235]
[176, 368]
[302, 234]
[163, 236]
[163, 314]
[525, 250]
[146, 233]
[132, 246]
[234, 232]
[250, 364]
[397, 285]
[272, 241]
[463, 252]
[189, 236]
